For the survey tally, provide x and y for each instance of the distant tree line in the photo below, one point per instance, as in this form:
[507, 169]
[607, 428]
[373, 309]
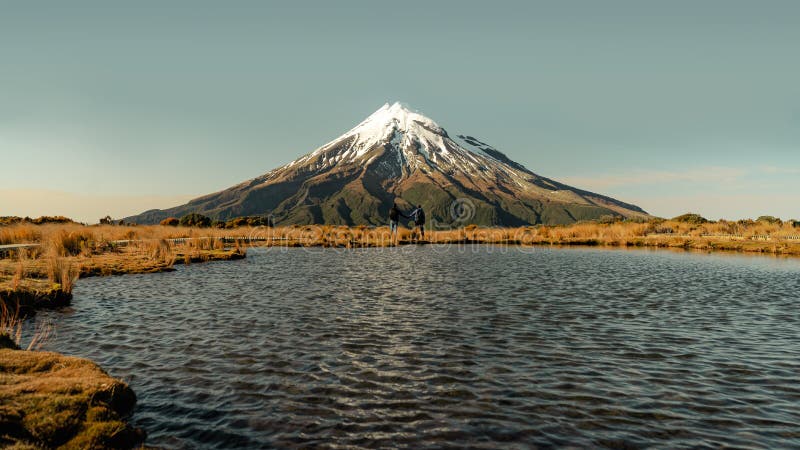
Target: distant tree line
[10, 220]
[107, 220]
[697, 219]
[694, 219]
[201, 221]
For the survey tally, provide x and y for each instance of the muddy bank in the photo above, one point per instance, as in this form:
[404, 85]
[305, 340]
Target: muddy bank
[30, 300]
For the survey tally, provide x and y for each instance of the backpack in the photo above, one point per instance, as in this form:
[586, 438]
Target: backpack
[420, 216]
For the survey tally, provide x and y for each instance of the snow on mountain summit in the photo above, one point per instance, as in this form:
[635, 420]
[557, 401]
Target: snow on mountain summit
[416, 142]
[395, 117]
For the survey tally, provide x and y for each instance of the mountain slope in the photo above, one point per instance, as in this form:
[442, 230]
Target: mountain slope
[399, 155]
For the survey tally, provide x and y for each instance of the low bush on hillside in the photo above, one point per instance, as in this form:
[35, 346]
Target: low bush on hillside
[691, 218]
[195, 220]
[248, 221]
[170, 222]
[770, 220]
[609, 218]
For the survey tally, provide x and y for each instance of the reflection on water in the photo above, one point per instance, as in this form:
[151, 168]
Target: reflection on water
[431, 347]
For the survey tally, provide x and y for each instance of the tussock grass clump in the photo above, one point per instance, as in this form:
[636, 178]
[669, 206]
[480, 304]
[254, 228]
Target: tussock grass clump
[62, 273]
[10, 327]
[160, 250]
[19, 270]
[209, 243]
[20, 234]
[71, 243]
[11, 322]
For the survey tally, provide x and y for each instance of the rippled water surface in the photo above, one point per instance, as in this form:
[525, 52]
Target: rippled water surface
[436, 347]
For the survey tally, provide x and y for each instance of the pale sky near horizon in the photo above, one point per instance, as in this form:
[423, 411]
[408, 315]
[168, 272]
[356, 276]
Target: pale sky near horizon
[114, 108]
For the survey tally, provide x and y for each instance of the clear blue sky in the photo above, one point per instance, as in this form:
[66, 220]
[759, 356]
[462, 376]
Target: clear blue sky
[675, 105]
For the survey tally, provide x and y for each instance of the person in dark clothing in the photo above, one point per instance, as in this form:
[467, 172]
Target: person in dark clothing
[394, 219]
[419, 219]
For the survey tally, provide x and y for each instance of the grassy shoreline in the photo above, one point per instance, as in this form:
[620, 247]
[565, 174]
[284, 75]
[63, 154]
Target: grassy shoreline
[748, 238]
[43, 276]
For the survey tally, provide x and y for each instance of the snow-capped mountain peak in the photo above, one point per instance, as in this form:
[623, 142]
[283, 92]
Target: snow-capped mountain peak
[394, 117]
[399, 155]
[415, 140]
[394, 124]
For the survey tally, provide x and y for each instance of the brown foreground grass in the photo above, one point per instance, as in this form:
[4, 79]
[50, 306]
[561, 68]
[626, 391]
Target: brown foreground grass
[49, 400]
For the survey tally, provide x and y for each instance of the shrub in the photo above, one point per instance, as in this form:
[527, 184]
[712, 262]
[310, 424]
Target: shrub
[691, 218]
[249, 221]
[770, 220]
[71, 243]
[608, 218]
[236, 223]
[10, 220]
[659, 229]
[171, 222]
[50, 219]
[636, 219]
[746, 222]
[195, 220]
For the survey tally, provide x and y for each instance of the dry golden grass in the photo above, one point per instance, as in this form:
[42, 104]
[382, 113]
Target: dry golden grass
[72, 238]
[158, 250]
[106, 250]
[10, 326]
[20, 233]
[11, 322]
[738, 236]
[61, 272]
[75, 239]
